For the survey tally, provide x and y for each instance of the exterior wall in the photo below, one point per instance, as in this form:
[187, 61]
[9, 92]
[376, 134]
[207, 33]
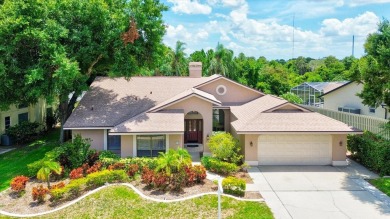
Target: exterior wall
[251, 153]
[339, 152]
[96, 135]
[346, 96]
[227, 119]
[176, 141]
[204, 108]
[234, 94]
[36, 113]
[127, 145]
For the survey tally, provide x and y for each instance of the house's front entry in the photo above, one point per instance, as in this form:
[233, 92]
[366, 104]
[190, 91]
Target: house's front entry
[193, 132]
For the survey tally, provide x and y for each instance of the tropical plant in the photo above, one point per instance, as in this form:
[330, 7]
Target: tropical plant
[225, 147]
[167, 162]
[179, 62]
[291, 97]
[46, 170]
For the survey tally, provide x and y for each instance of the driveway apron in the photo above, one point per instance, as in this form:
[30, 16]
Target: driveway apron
[319, 191]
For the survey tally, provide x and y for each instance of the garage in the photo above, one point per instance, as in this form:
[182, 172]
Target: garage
[295, 149]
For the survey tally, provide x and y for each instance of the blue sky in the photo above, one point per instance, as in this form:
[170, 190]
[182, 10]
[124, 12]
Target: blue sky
[265, 27]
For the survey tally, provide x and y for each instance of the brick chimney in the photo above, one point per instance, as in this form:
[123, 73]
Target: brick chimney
[195, 69]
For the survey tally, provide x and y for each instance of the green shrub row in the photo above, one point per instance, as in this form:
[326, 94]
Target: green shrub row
[93, 180]
[142, 162]
[372, 151]
[24, 132]
[234, 186]
[218, 166]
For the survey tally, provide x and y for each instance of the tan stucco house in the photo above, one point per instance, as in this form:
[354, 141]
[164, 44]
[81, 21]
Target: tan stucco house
[345, 99]
[19, 113]
[146, 115]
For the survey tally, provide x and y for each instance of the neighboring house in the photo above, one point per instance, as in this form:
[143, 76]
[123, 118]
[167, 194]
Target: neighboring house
[345, 99]
[17, 114]
[310, 92]
[146, 115]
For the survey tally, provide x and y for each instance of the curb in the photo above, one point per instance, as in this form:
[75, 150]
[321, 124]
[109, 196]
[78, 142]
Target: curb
[128, 185]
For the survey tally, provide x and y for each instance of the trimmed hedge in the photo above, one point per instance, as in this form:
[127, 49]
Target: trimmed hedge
[217, 166]
[372, 151]
[234, 186]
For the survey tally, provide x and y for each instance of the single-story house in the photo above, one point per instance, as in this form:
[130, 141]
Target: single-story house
[142, 116]
[345, 99]
[17, 114]
[311, 92]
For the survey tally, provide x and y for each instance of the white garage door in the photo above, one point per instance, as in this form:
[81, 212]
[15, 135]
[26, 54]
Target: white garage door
[295, 150]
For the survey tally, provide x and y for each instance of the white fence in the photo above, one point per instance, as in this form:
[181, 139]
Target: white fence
[362, 122]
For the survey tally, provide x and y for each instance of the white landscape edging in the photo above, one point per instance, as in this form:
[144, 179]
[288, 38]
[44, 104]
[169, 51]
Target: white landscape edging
[128, 185]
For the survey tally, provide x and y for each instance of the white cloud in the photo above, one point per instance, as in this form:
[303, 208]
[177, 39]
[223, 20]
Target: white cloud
[311, 8]
[354, 3]
[190, 7]
[227, 3]
[181, 33]
[360, 25]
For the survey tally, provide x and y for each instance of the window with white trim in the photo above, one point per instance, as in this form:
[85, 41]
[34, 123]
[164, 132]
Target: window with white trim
[150, 145]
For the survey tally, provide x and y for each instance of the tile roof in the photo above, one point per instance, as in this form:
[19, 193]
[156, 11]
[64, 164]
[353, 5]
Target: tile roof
[165, 121]
[111, 101]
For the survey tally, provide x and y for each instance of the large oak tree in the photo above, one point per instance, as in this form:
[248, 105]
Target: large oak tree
[53, 48]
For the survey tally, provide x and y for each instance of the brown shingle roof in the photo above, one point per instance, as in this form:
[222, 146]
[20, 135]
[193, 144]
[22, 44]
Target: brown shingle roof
[165, 121]
[251, 117]
[111, 101]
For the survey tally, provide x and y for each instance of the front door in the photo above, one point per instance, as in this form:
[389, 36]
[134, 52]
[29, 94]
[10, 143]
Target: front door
[193, 131]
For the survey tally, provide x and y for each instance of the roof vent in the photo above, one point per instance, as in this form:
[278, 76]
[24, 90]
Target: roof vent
[151, 92]
[195, 69]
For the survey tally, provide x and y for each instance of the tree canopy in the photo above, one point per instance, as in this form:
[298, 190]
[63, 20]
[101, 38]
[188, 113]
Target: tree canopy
[53, 48]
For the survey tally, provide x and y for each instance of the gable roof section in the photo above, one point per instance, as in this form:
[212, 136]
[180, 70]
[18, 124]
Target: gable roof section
[185, 95]
[220, 77]
[165, 121]
[262, 116]
[111, 101]
[325, 86]
[344, 85]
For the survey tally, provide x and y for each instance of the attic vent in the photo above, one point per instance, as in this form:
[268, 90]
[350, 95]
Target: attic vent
[221, 90]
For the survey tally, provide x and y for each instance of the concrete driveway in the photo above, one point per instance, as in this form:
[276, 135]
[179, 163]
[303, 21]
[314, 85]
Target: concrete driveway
[319, 192]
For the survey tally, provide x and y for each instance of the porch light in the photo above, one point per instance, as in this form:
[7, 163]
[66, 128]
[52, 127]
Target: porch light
[251, 144]
[341, 143]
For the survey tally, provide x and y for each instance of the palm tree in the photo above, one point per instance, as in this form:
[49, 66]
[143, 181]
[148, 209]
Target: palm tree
[46, 170]
[179, 57]
[166, 161]
[221, 63]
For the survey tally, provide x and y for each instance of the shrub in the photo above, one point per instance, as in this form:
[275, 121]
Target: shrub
[73, 154]
[225, 147]
[39, 193]
[108, 161]
[93, 157]
[200, 173]
[161, 181]
[217, 166]
[34, 167]
[58, 186]
[132, 169]
[372, 151]
[76, 173]
[18, 183]
[117, 166]
[108, 154]
[232, 185]
[106, 176]
[190, 175]
[147, 176]
[69, 191]
[178, 180]
[24, 132]
[150, 162]
[96, 167]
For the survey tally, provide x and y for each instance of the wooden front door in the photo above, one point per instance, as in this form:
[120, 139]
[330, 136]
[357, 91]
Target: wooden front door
[193, 132]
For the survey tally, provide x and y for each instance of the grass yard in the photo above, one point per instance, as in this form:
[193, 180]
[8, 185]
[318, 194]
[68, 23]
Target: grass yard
[123, 202]
[15, 162]
[382, 184]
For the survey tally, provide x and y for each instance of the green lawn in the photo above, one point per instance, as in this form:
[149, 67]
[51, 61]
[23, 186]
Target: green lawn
[382, 184]
[123, 202]
[15, 162]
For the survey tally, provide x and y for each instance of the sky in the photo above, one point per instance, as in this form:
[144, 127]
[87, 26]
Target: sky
[275, 29]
